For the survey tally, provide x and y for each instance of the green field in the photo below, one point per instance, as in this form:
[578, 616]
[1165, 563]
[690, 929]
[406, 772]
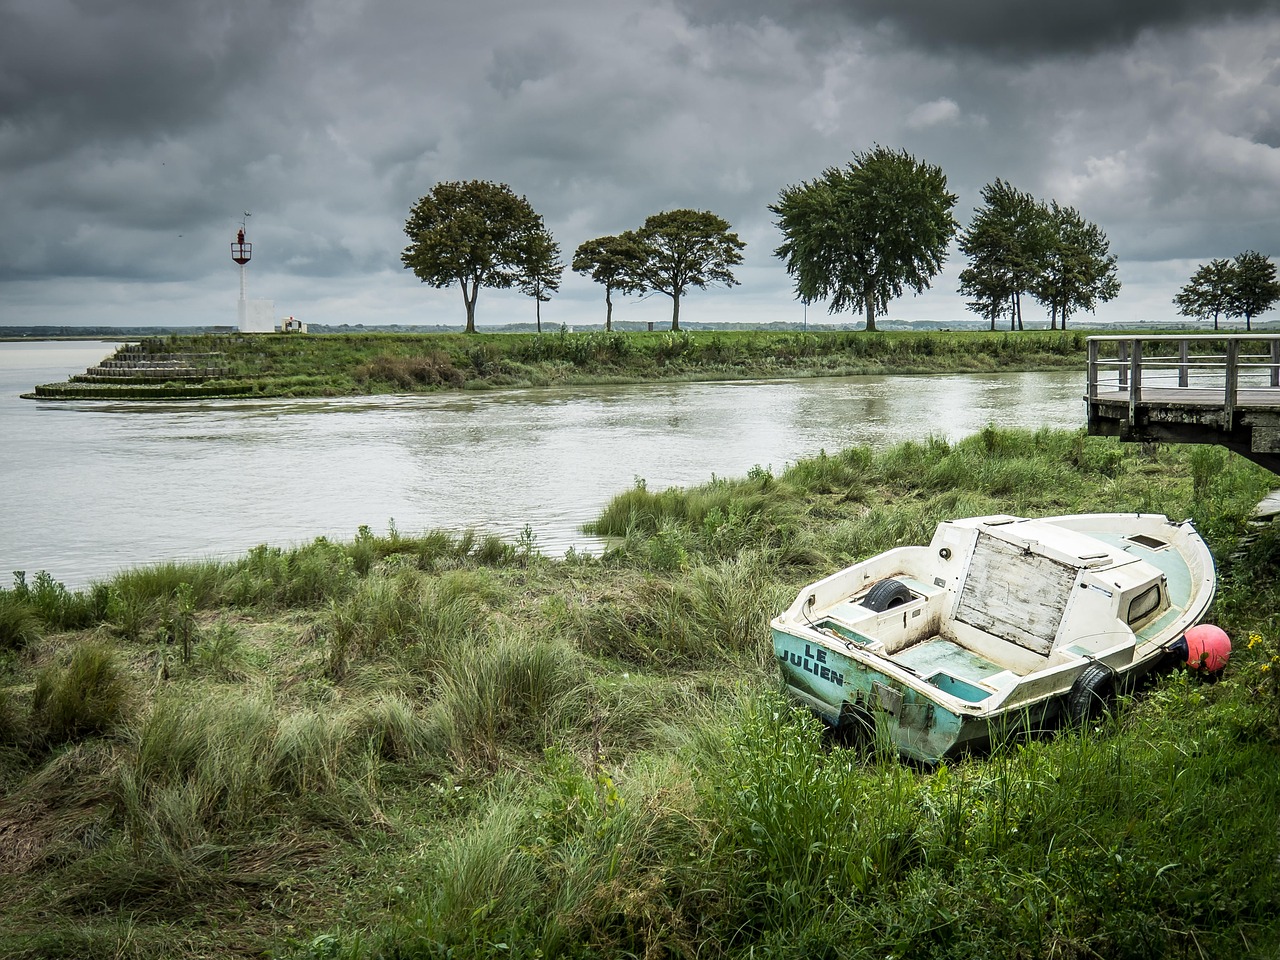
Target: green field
[418, 745]
[274, 365]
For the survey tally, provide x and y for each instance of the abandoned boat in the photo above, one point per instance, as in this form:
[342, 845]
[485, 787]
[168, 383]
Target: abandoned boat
[1000, 624]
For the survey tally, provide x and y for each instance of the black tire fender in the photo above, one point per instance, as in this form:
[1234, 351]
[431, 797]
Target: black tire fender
[1092, 694]
[886, 594]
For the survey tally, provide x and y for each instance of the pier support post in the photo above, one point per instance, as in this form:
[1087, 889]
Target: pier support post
[1135, 381]
[1232, 384]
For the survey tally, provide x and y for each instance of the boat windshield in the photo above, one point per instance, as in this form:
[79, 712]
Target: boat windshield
[1144, 604]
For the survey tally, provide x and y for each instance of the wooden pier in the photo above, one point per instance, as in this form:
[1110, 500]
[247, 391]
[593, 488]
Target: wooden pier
[1222, 388]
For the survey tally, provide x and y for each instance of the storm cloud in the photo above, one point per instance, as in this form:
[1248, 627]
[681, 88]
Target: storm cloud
[995, 28]
[134, 134]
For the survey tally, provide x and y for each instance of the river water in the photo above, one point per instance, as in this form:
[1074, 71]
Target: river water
[92, 488]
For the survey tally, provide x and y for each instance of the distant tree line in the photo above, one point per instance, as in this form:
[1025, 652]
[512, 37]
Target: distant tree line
[857, 236]
[1243, 287]
[1019, 246]
[480, 234]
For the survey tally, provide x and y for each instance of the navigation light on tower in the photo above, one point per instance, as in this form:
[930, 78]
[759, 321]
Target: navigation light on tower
[252, 316]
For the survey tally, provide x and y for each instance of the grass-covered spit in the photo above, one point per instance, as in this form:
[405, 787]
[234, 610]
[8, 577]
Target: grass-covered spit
[292, 365]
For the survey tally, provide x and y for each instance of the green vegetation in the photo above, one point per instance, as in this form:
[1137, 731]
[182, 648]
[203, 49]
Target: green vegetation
[614, 262]
[1243, 287]
[860, 235]
[480, 234]
[683, 249]
[291, 365]
[1018, 245]
[436, 746]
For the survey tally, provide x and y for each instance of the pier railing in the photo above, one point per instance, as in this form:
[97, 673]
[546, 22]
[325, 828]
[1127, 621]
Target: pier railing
[1214, 370]
[1215, 388]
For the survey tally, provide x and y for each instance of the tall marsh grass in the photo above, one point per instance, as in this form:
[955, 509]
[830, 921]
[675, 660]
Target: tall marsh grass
[217, 769]
[87, 696]
[20, 624]
[408, 618]
[577, 866]
[837, 507]
[514, 693]
[1049, 845]
[710, 613]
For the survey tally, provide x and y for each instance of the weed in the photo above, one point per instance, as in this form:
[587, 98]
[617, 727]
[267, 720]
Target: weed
[129, 613]
[512, 693]
[222, 652]
[19, 621]
[89, 696]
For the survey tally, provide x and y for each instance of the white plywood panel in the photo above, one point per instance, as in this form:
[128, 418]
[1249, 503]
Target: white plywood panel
[1015, 594]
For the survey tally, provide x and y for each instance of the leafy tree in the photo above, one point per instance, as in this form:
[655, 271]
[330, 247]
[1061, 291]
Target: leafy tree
[687, 248]
[615, 262]
[859, 235]
[540, 268]
[473, 233]
[1007, 244]
[1208, 292]
[1079, 269]
[1254, 288]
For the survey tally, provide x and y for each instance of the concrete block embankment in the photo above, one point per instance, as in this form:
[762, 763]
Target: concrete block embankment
[137, 372]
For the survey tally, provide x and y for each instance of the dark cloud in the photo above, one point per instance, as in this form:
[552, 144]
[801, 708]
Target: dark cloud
[133, 133]
[131, 68]
[1013, 29]
[1022, 29]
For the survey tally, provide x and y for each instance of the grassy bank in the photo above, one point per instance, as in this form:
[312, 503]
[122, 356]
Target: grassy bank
[347, 364]
[428, 746]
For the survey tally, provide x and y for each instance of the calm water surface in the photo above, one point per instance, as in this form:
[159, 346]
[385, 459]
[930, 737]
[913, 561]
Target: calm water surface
[91, 488]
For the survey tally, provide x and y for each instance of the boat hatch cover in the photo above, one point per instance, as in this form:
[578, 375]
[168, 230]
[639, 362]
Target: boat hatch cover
[1151, 543]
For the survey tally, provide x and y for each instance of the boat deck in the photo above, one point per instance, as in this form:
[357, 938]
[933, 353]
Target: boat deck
[940, 653]
[952, 668]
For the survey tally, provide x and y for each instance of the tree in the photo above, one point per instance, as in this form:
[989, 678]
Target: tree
[540, 268]
[988, 296]
[1079, 270]
[1208, 292]
[859, 235]
[686, 248]
[1006, 243]
[614, 262]
[1254, 289]
[472, 233]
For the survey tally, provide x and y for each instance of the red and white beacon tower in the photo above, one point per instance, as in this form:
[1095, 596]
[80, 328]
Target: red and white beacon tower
[252, 316]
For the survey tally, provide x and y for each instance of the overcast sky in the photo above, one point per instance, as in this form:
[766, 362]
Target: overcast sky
[135, 133]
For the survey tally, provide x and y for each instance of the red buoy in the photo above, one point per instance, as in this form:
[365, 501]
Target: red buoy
[1208, 648]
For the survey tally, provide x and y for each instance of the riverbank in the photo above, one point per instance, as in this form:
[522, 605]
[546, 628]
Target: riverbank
[422, 745]
[297, 365]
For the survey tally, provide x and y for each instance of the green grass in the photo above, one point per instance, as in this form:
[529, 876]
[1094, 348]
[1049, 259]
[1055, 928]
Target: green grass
[88, 696]
[19, 623]
[421, 745]
[378, 363]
